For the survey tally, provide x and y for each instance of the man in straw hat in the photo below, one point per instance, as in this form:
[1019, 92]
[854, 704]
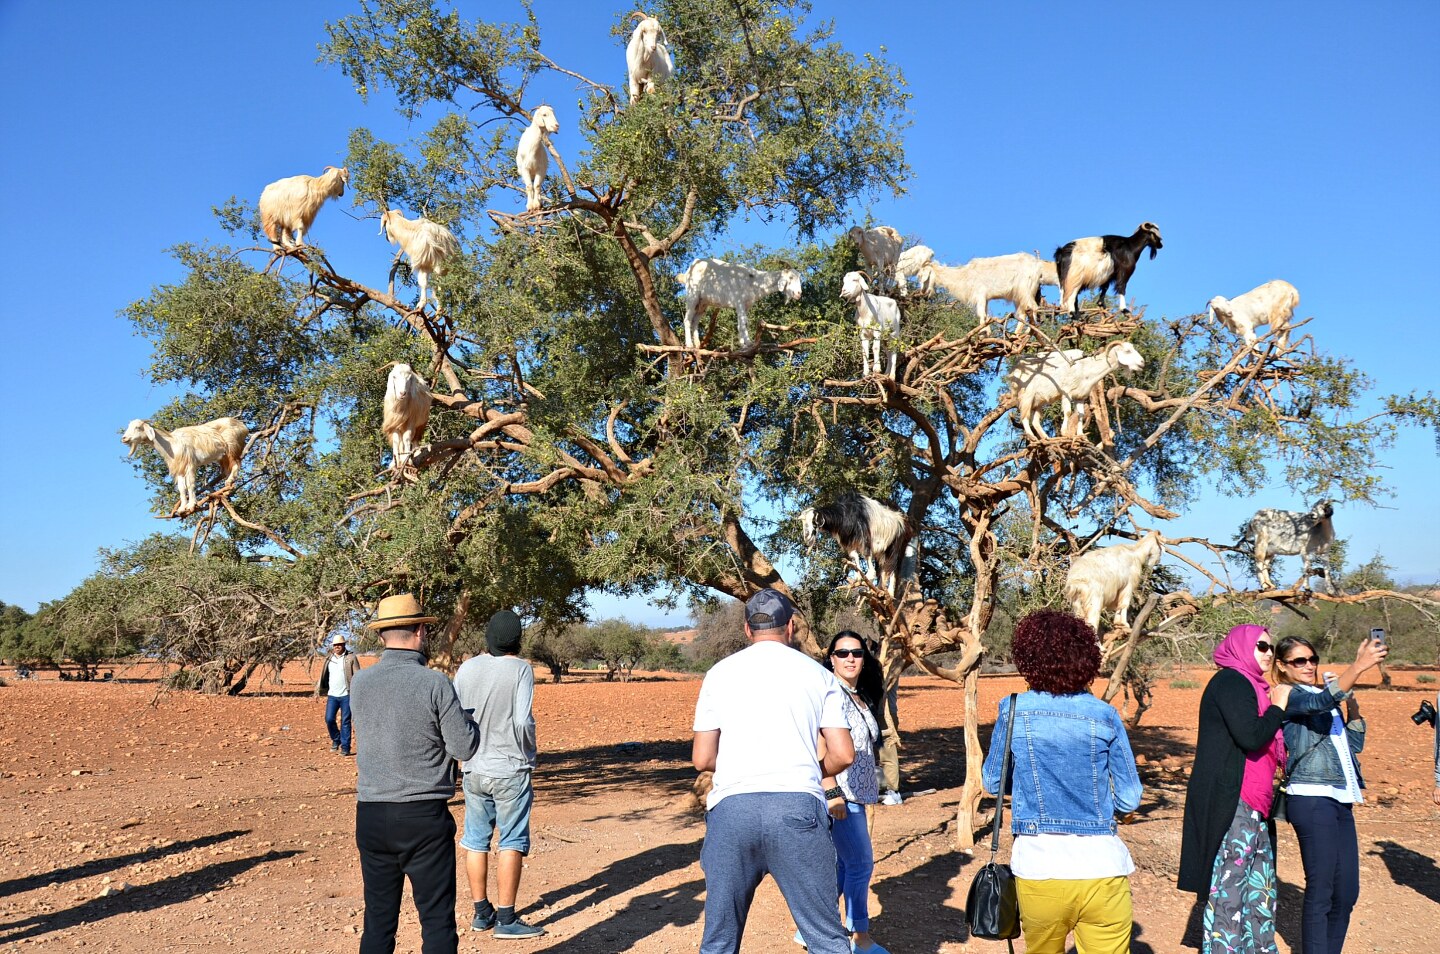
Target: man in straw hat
[413, 726]
[334, 684]
[758, 718]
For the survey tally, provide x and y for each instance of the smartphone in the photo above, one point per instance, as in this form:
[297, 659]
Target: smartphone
[1377, 635]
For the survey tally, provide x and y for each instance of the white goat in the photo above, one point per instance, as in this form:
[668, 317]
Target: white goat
[876, 316]
[187, 449]
[1105, 579]
[1012, 278]
[915, 261]
[406, 414]
[1067, 377]
[647, 56]
[531, 159]
[1273, 304]
[879, 247]
[427, 244]
[714, 284]
[1287, 533]
[290, 205]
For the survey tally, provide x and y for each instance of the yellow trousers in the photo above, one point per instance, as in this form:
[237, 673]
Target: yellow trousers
[1096, 909]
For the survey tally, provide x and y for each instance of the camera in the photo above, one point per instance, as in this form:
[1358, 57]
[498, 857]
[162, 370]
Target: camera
[1425, 714]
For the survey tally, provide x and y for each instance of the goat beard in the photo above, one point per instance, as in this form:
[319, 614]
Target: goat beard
[133, 447]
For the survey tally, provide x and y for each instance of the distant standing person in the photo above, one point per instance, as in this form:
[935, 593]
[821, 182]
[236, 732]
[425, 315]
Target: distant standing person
[759, 716]
[496, 689]
[414, 728]
[335, 679]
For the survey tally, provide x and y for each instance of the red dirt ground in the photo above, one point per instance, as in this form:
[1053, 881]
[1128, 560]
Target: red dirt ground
[221, 823]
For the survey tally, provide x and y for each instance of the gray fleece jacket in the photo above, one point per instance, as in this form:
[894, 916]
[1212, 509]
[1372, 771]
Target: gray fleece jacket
[408, 726]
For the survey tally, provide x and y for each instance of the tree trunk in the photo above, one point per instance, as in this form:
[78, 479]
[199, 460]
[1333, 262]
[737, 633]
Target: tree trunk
[239, 685]
[969, 807]
[442, 644]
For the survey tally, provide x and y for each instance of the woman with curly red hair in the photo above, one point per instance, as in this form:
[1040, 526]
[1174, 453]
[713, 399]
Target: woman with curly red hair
[1073, 770]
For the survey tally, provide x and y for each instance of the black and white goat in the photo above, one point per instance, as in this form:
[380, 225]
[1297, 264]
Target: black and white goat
[863, 527]
[1288, 533]
[1101, 262]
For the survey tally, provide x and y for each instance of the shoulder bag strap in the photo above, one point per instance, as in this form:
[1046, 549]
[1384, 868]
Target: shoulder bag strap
[1004, 780]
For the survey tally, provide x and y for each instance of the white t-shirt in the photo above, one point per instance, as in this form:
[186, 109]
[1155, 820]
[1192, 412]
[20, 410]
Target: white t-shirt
[769, 702]
[339, 688]
[1053, 856]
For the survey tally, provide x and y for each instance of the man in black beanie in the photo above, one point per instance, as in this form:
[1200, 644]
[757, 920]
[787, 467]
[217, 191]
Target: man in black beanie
[496, 689]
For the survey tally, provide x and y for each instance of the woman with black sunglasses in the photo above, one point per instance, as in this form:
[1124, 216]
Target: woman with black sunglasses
[858, 670]
[1324, 785]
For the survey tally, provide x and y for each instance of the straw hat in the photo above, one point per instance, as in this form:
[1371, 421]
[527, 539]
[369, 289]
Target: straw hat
[402, 610]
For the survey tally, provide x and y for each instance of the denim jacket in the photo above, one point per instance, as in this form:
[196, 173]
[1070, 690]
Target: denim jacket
[1073, 768]
[1307, 730]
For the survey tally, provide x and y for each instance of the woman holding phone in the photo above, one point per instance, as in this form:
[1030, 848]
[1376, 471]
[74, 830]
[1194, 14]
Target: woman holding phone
[1325, 783]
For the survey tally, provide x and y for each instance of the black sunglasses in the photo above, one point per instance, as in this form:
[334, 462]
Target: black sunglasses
[1303, 660]
[848, 653]
[1263, 647]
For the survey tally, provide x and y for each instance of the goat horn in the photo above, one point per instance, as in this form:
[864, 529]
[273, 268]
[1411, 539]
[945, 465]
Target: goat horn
[390, 365]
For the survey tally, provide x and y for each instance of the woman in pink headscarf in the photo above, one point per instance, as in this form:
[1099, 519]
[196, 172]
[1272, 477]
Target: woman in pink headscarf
[1227, 851]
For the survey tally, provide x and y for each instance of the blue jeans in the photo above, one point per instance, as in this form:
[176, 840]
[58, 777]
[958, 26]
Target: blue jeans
[497, 802]
[785, 835]
[1330, 853]
[854, 863]
[339, 735]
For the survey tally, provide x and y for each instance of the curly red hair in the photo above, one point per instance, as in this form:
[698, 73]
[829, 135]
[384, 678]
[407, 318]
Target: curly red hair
[1056, 652]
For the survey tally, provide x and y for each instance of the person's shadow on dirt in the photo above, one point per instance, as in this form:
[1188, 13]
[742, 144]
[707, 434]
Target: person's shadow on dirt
[1410, 868]
[149, 897]
[101, 866]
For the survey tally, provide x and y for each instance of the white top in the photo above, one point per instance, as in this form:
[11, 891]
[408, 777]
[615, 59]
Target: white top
[1349, 793]
[339, 688]
[769, 702]
[1069, 857]
[859, 782]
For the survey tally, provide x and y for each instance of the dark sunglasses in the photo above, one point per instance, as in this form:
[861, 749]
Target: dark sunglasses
[1263, 647]
[848, 653]
[1303, 661]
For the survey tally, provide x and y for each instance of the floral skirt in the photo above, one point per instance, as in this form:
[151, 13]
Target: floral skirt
[1240, 914]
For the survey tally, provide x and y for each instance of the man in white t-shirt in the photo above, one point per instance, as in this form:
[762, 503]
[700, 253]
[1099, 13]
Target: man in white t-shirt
[334, 685]
[757, 721]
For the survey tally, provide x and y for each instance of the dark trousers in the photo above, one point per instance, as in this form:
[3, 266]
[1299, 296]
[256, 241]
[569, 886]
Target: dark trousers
[339, 729]
[415, 840]
[1331, 856]
[785, 835]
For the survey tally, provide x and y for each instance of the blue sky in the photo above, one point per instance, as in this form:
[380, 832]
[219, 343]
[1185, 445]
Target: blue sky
[1280, 140]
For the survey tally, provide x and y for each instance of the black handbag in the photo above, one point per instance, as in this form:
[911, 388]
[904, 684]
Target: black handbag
[992, 909]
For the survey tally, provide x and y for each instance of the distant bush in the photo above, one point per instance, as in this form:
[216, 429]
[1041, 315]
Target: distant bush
[1425, 679]
[1184, 684]
[184, 680]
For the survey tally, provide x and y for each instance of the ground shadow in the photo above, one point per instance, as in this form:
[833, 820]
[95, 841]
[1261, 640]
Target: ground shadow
[1410, 868]
[914, 913]
[105, 865]
[159, 894]
[578, 773]
[644, 915]
[619, 877]
[1289, 908]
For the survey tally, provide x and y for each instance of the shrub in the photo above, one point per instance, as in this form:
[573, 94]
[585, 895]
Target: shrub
[1184, 684]
[1425, 679]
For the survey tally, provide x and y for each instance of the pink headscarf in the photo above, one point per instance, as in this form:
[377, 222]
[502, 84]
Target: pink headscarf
[1237, 651]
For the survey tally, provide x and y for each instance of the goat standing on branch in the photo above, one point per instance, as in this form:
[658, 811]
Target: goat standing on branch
[1105, 579]
[1288, 533]
[1064, 376]
[1101, 262]
[1272, 303]
[713, 284]
[880, 248]
[647, 56]
[187, 449]
[532, 160]
[915, 261]
[426, 244]
[406, 413]
[876, 316]
[1012, 278]
[290, 205]
[863, 527]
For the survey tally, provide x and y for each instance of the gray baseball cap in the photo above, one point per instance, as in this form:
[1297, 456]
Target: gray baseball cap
[768, 609]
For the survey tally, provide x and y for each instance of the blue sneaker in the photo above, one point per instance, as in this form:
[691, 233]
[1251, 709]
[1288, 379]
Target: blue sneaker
[483, 922]
[872, 949]
[517, 930]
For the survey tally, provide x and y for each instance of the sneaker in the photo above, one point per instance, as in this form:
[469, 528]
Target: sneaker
[517, 930]
[891, 798]
[345, 752]
[334, 746]
[800, 940]
[483, 922]
[872, 949]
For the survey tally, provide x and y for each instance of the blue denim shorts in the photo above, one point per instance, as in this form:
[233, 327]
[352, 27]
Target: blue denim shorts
[497, 802]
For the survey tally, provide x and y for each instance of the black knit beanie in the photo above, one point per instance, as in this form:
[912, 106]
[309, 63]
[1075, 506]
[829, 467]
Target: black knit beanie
[502, 634]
